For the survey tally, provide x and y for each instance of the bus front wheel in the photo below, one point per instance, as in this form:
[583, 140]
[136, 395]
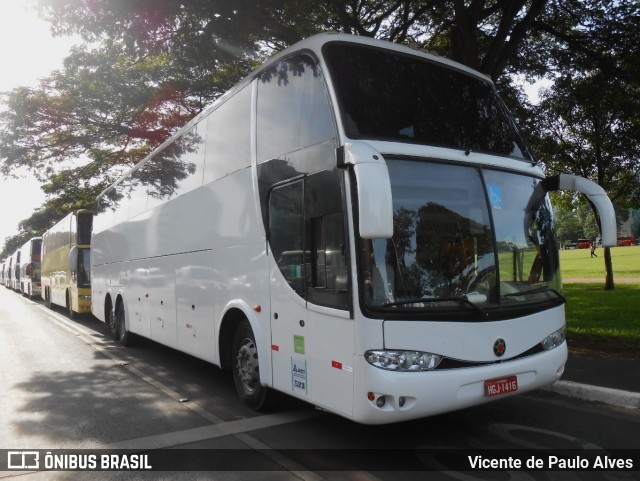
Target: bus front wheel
[246, 368]
[72, 313]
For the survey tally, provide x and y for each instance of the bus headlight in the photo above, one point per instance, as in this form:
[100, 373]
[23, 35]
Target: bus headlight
[405, 361]
[554, 339]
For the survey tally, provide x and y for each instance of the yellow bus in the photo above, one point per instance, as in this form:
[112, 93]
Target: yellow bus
[66, 263]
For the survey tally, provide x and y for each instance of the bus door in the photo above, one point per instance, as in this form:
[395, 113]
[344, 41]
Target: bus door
[312, 343]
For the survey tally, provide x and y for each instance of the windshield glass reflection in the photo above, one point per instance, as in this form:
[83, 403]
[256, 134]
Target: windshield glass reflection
[459, 236]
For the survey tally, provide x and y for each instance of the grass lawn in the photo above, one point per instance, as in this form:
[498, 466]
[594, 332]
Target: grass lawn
[578, 263]
[603, 323]
[599, 322]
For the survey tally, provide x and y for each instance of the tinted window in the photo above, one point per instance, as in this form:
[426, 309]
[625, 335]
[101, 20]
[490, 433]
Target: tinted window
[36, 247]
[163, 173]
[293, 108]
[84, 228]
[138, 193]
[189, 159]
[390, 96]
[325, 239]
[285, 236]
[308, 240]
[117, 201]
[84, 268]
[228, 138]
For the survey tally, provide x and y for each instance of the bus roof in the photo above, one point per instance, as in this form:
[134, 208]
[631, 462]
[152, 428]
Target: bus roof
[313, 44]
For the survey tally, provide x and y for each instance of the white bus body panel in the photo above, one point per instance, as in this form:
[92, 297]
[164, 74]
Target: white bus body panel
[473, 341]
[179, 266]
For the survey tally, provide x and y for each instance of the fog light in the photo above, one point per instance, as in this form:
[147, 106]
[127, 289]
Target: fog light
[380, 402]
[401, 401]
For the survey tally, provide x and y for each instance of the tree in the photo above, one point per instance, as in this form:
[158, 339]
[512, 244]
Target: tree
[590, 126]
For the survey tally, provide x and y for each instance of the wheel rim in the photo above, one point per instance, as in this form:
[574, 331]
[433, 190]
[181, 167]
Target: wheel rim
[247, 365]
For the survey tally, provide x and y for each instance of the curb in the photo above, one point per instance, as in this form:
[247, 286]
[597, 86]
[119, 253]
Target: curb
[615, 397]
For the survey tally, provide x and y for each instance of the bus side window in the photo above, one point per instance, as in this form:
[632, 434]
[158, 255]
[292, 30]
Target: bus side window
[285, 234]
[329, 279]
[325, 239]
[293, 108]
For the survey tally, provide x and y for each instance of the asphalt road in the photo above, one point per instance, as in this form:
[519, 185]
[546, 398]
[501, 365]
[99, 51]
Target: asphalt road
[66, 385]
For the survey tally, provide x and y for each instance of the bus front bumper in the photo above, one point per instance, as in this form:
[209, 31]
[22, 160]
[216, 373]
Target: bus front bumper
[413, 395]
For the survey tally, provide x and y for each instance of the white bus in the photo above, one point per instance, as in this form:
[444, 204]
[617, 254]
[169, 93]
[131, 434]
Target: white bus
[357, 224]
[14, 271]
[30, 267]
[5, 270]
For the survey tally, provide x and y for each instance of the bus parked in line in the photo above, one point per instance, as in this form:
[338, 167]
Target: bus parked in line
[66, 263]
[14, 271]
[30, 267]
[357, 224]
[6, 279]
[4, 271]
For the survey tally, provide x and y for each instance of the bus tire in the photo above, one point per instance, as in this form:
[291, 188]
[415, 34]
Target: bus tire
[246, 368]
[118, 326]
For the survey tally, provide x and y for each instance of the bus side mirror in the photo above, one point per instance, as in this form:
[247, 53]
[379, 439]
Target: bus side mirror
[596, 195]
[375, 206]
[73, 259]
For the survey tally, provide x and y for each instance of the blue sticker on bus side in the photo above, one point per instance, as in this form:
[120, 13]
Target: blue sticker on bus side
[495, 196]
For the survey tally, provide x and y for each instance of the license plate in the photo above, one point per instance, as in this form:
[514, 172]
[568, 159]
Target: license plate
[504, 385]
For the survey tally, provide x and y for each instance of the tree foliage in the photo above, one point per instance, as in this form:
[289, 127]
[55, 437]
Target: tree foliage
[588, 122]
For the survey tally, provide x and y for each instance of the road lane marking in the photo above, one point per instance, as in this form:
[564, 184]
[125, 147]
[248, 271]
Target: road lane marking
[219, 428]
[228, 428]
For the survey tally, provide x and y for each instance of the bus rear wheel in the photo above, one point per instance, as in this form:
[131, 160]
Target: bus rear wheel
[246, 368]
[118, 326]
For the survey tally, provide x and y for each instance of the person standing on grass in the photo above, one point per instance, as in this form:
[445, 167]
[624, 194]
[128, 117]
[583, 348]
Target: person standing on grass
[593, 248]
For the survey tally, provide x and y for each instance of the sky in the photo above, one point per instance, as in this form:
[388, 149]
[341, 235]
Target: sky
[28, 53]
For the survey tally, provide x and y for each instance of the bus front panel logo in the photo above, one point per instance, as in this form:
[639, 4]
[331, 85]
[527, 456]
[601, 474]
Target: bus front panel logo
[499, 347]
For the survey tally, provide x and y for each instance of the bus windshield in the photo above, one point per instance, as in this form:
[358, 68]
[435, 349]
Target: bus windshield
[460, 238]
[84, 267]
[385, 95]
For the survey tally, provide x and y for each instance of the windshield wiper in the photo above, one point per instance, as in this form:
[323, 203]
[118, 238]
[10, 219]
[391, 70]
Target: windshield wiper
[461, 300]
[537, 290]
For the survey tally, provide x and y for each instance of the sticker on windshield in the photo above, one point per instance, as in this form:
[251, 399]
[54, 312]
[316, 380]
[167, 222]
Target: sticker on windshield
[495, 196]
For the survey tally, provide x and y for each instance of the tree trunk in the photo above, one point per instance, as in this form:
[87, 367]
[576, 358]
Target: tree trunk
[608, 283]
